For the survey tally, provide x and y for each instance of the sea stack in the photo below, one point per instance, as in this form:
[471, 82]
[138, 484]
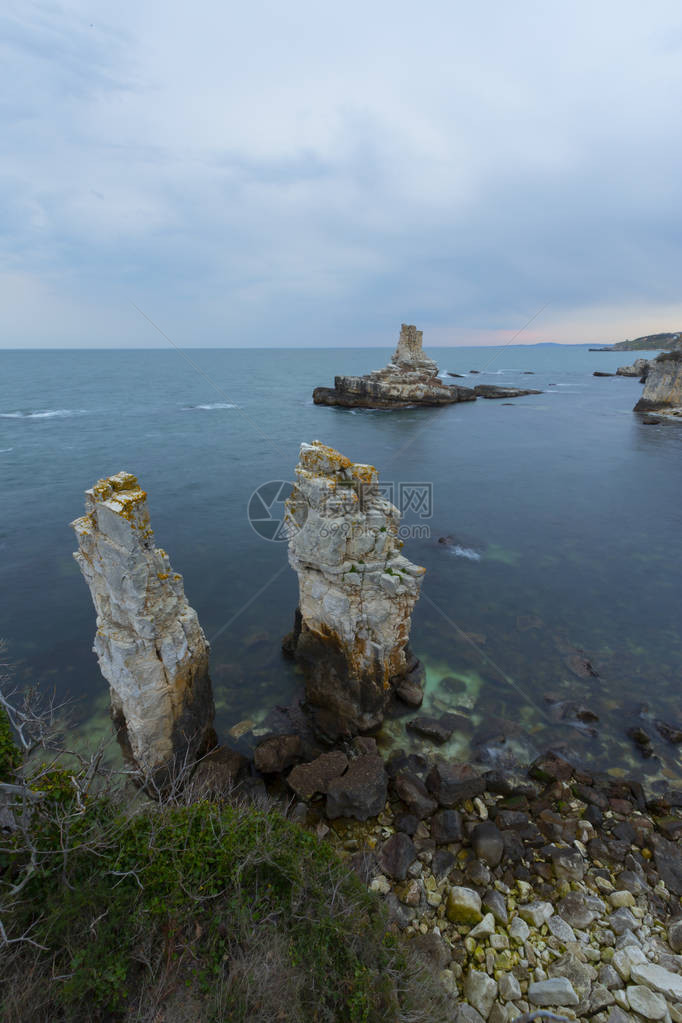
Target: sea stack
[149, 643]
[663, 385]
[356, 593]
[639, 368]
[410, 378]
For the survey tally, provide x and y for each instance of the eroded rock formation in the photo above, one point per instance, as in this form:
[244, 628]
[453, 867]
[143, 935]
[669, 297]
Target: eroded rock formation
[663, 385]
[357, 592]
[149, 643]
[410, 378]
[639, 368]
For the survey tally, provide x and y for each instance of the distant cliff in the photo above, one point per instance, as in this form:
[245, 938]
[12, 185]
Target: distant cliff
[666, 342]
[663, 385]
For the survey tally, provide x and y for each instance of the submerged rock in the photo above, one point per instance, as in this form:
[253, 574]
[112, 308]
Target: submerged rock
[663, 386]
[149, 643]
[356, 592]
[410, 378]
[493, 391]
[436, 729]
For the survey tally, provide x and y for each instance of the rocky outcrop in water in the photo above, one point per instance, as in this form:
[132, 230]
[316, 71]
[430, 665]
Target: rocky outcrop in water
[493, 391]
[410, 378]
[639, 368]
[149, 643]
[663, 386]
[357, 592]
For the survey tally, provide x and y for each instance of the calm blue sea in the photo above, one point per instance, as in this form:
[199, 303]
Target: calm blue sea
[565, 513]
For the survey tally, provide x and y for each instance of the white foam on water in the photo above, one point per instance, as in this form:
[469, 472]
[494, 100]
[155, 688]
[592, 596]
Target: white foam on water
[464, 552]
[5, 450]
[210, 407]
[57, 413]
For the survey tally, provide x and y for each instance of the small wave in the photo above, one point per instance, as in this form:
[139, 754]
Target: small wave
[209, 407]
[56, 413]
[4, 451]
[464, 552]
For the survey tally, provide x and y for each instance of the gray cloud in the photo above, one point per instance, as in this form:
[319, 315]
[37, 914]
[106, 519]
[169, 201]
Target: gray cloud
[296, 175]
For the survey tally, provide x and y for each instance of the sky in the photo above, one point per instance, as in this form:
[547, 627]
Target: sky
[301, 173]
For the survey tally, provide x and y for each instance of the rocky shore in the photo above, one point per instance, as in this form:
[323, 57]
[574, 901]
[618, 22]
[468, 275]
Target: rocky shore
[547, 890]
[662, 379]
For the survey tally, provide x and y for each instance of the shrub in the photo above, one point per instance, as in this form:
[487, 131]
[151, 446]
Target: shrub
[234, 906]
[10, 754]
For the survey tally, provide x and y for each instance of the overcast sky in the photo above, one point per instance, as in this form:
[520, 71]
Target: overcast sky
[308, 173]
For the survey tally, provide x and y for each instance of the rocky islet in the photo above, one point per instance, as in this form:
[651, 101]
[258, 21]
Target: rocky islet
[411, 378]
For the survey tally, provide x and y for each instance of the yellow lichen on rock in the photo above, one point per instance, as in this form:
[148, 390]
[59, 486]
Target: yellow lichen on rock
[149, 643]
[356, 591]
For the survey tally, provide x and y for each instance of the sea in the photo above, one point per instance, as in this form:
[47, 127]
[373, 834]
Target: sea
[549, 526]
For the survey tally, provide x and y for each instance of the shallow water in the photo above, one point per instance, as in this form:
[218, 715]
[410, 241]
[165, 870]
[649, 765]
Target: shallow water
[565, 513]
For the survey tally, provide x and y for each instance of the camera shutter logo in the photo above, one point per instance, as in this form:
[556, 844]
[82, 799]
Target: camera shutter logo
[266, 511]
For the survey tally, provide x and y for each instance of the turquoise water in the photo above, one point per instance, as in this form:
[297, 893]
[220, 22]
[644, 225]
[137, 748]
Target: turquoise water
[564, 509]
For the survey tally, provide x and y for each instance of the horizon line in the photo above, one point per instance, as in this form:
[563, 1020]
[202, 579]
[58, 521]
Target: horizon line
[275, 348]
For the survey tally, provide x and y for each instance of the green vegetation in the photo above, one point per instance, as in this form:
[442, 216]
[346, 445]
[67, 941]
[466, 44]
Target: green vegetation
[10, 754]
[211, 911]
[650, 342]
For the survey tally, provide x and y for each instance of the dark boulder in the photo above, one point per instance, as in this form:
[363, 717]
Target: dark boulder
[671, 733]
[410, 688]
[396, 855]
[488, 843]
[436, 729]
[218, 773]
[307, 780]
[446, 827]
[407, 822]
[360, 792]
[452, 784]
[275, 754]
[641, 740]
[550, 767]
[442, 862]
[492, 391]
[668, 859]
[414, 794]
